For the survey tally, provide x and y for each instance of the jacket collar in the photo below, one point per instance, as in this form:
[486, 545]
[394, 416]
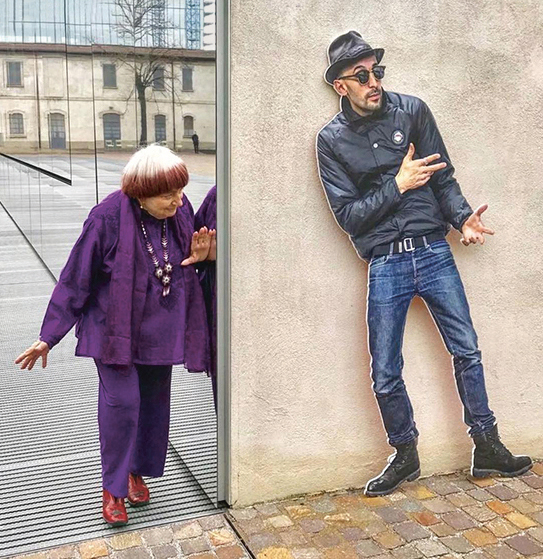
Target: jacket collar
[354, 118]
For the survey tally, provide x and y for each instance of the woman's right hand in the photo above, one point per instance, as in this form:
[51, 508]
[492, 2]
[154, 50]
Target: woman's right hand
[200, 244]
[32, 354]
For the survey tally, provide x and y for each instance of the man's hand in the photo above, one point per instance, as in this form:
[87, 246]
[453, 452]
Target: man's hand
[416, 172]
[200, 245]
[473, 228]
[32, 354]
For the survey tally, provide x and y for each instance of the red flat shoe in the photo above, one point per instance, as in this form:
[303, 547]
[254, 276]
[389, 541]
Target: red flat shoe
[138, 492]
[113, 509]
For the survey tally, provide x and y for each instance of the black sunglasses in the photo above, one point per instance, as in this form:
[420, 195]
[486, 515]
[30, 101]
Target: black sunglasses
[363, 76]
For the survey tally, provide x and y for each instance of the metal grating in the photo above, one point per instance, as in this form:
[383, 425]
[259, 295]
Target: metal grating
[58, 502]
[49, 451]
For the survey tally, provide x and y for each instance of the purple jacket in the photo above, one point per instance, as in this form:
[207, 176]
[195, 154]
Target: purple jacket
[103, 288]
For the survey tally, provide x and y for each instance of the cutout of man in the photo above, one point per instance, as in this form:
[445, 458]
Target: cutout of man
[390, 184]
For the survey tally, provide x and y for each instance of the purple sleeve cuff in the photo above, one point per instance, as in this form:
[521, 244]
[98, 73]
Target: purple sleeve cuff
[48, 341]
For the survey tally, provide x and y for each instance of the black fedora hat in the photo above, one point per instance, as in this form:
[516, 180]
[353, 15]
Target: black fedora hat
[346, 49]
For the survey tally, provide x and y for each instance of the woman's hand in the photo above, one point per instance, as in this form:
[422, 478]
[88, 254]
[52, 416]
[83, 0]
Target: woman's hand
[32, 354]
[200, 246]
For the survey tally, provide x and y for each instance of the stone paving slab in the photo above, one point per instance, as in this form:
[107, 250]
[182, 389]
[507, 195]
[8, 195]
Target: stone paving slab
[444, 517]
[209, 537]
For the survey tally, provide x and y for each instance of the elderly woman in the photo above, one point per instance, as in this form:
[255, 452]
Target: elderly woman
[131, 288]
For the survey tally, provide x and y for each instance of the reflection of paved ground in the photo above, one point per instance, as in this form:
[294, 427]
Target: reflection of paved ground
[81, 168]
[51, 213]
[198, 164]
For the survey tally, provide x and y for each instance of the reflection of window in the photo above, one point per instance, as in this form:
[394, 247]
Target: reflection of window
[16, 124]
[110, 75]
[158, 78]
[187, 79]
[15, 74]
[57, 131]
[112, 130]
[160, 128]
[188, 123]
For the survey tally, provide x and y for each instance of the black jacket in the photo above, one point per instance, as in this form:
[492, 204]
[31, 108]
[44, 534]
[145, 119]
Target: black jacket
[359, 158]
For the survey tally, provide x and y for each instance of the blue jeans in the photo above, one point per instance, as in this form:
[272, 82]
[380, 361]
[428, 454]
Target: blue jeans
[429, 272]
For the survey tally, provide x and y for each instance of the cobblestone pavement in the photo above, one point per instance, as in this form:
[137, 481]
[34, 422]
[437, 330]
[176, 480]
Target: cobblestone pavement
[441, 516]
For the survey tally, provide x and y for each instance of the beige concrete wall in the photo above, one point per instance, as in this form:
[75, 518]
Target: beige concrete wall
[304, 417]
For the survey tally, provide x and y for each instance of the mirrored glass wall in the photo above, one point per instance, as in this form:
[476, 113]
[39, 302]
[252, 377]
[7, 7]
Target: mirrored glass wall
[83, 85]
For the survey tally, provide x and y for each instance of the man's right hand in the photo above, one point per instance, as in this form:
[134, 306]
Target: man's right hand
[32, 354]
[416, 172]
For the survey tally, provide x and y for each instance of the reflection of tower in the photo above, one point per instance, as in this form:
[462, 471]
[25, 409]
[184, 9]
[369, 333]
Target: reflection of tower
[158, 23]
[210, 11]
[192, 23]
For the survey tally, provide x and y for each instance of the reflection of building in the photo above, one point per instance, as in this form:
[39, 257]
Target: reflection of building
[209, 28]
[37, 85]
[75, 68]
[172, 23]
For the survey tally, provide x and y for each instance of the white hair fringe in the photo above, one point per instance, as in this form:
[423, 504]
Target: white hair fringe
[151, 160]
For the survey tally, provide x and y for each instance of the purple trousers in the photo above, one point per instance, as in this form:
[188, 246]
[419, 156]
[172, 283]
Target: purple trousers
[133, 422]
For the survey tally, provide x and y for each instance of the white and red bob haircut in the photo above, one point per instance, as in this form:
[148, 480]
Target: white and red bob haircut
[152, 171]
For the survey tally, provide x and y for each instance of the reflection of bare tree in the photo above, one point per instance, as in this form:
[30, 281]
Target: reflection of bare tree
[138, 20]
[143, 25]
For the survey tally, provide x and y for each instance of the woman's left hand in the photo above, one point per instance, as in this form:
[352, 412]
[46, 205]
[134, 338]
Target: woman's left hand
[32, 354]
[200, 245]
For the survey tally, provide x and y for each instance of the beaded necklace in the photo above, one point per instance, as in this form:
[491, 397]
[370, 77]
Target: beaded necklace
[164, 273]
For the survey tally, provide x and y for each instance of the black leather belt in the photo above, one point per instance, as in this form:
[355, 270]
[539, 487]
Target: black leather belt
[408, 244]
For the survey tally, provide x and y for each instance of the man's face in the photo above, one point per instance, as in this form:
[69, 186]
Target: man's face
[367, 98]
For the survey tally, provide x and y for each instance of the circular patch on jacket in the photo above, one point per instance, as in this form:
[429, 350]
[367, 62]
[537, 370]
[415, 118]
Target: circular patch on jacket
[398, 137]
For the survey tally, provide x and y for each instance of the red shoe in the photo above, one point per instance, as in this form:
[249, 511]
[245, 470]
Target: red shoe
[138, 492]
[113, 509]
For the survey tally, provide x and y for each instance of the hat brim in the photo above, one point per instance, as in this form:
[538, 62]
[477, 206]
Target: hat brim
[334, 69]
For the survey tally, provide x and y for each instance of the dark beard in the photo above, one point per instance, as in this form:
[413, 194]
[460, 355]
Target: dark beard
[369, 110]
[374, 108]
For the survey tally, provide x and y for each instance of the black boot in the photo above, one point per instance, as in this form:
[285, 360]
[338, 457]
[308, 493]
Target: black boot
[404, 466]
[490, 456]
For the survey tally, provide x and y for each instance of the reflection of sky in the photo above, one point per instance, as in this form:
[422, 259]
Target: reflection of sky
[180, 23]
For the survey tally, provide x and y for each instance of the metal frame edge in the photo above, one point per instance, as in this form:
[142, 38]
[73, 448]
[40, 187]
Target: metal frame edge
[223, 250]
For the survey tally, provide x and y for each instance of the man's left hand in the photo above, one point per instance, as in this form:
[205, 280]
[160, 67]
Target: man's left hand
[473, 229]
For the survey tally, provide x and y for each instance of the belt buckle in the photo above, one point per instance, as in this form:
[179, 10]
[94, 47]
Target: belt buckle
[408, 244]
